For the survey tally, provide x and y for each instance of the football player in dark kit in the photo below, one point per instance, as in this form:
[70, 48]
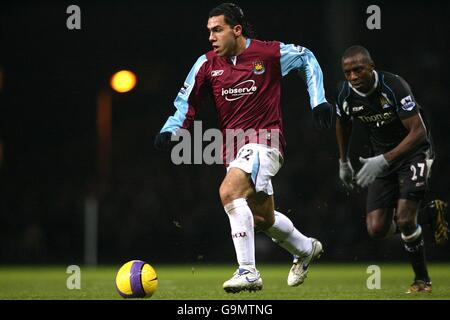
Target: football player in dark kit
[396, 175]
[244, 76]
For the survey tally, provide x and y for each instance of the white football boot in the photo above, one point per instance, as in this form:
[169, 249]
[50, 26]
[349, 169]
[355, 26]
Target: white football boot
[299, 269]
[243, 280]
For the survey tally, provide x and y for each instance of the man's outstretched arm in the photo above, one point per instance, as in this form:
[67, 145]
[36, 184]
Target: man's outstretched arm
[303, 60]
[415, 137]
[187, 103]
[374, 166]
[343, 133]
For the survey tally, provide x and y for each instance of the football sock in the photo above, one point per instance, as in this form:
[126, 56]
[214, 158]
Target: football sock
[414, 247]
[288, 237]
[242, 232]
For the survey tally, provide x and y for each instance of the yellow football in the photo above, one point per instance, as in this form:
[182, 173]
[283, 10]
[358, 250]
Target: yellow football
[136, 279]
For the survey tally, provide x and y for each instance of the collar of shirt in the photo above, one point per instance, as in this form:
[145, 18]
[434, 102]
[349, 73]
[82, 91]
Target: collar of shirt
[247, 44]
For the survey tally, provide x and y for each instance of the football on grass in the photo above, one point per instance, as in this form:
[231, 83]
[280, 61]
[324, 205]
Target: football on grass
[136, 279]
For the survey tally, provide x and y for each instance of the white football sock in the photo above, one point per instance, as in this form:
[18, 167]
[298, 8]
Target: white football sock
[242, 232]
[288, 237]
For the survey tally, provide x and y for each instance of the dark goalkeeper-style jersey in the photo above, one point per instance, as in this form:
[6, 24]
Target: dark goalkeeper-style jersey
[246, 88]
[381, 110]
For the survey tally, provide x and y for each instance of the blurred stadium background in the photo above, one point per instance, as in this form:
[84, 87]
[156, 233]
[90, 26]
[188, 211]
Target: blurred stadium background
[148, 208]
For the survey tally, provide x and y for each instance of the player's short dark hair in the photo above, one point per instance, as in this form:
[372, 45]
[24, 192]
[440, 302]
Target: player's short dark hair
[234, 15]
[355, 50]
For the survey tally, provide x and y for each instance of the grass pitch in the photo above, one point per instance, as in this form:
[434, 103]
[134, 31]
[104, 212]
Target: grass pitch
[204, 282]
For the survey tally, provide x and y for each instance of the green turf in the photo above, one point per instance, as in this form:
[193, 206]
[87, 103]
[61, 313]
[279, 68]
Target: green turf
[325, 281]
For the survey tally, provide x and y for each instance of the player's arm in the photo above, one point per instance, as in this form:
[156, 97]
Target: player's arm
[343, 133]
[374, 166]
[302, 59]
[408, 112]
[344, 126]
[416, 136]
[187, 104]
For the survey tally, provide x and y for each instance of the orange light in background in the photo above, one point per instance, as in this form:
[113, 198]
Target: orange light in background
[123, 81]
[2, 79]
[1, 153]
[104, 128]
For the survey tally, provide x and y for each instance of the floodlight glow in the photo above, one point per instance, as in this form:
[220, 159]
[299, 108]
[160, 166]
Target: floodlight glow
[123, 81]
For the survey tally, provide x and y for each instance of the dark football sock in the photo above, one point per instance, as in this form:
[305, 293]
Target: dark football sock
[414, 247]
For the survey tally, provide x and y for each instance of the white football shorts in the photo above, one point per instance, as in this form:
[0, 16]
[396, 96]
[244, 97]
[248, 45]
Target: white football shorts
[261, 162]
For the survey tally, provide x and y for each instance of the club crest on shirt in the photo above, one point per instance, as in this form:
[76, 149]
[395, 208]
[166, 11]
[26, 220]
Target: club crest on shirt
[384, 101]
[258, 67]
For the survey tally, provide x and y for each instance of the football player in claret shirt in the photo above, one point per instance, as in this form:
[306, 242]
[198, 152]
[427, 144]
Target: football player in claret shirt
[244, 76]
[396, 175]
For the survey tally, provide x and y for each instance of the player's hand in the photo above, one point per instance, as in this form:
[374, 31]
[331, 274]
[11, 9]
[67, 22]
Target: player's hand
[163, 141]
[323, 115]
[371, 169]
[346, 173]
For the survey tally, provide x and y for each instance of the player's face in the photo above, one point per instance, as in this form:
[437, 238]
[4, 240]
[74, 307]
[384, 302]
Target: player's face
[359, 72]
[222, 36]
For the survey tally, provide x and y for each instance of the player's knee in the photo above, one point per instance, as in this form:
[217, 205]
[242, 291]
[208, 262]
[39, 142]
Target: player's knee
[226, 194]
[377, 231]
[406, 224]
[229, 192]
[263, 223]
